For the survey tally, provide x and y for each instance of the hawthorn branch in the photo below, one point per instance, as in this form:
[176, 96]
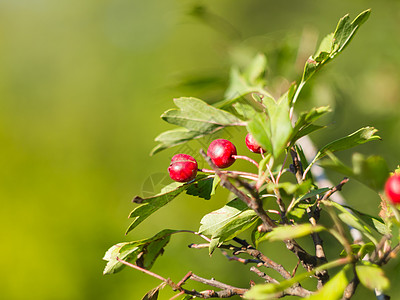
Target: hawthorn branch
[254, 204]
[295, 290]
[261, 274]
[313, 217]
[267, 262]
[352, 286]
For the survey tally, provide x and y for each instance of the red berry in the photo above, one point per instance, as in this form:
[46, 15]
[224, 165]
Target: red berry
[183, 168]
[252, 144]
[221, 153]
[392, 188]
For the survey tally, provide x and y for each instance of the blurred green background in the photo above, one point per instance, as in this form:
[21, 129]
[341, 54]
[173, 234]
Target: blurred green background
[82, 86]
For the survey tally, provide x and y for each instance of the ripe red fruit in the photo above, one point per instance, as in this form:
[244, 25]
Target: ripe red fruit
[252, 144]
[221, 153]
[183, 168]
[392, 188]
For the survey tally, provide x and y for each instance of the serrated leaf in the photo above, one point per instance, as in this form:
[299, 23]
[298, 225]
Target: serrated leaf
[153, 294]
[197, 119]
[310, 194]
[113, 265]
[333, 44]
[250, 81]
[333, 289]
[273, 129]
[270, 290]
[374, 222]
[151, 204]
[291, 232]
[176, 137]
[350, 219]
[359, 249]
[202, 188]
[297, 213]
[280, 125]
[227, 222]
[372, 276]
[153, 249]
[304, 124]
[358, 137]
[259, 127]
[371, 171]
[248, 107]
[256, 69]
[196, 115]
[346, 29]
[290, 188]
[143, 252]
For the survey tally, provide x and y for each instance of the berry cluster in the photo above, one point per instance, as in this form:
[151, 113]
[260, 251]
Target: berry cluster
[183, 167]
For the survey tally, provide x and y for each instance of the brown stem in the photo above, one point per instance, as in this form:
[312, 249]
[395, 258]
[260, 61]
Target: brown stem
[214, 283]
[254, 204]
[313, 216]
[352, 286]
[143, 270]
[267, 278]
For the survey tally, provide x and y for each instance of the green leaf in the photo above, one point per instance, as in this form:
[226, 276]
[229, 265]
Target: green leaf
[259, 127]
[345, 30]
[250, 81]
[371, 171]
[292, 232]
[290, 188]
[111, 255]
[280, 125]
[176, 137]
[310, 194]
[304, 124]
[255, 70]
[248, 107]
[359, 249]
[227, 222]
[196, 115]
[152, 249]
[152, 204]
[333, 44]
[374, 222]
[143, 252]
[372, 277]
[270, 290]
[153, 294]
[334, 288]
[350, 219]
[198, 119]
[359, 137]
[272, 130]
[202, 188]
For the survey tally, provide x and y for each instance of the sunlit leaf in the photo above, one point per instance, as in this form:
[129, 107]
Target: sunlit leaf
[334, 43]
[153, 294]
[196, 115]
[152, 204]
[371, 171]
[359, 137]
[227, 222]
[292, 232]
[143, 252]
[333, 289]
[372, 276]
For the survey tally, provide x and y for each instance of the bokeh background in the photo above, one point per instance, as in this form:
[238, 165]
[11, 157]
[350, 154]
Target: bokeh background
[82, 86]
